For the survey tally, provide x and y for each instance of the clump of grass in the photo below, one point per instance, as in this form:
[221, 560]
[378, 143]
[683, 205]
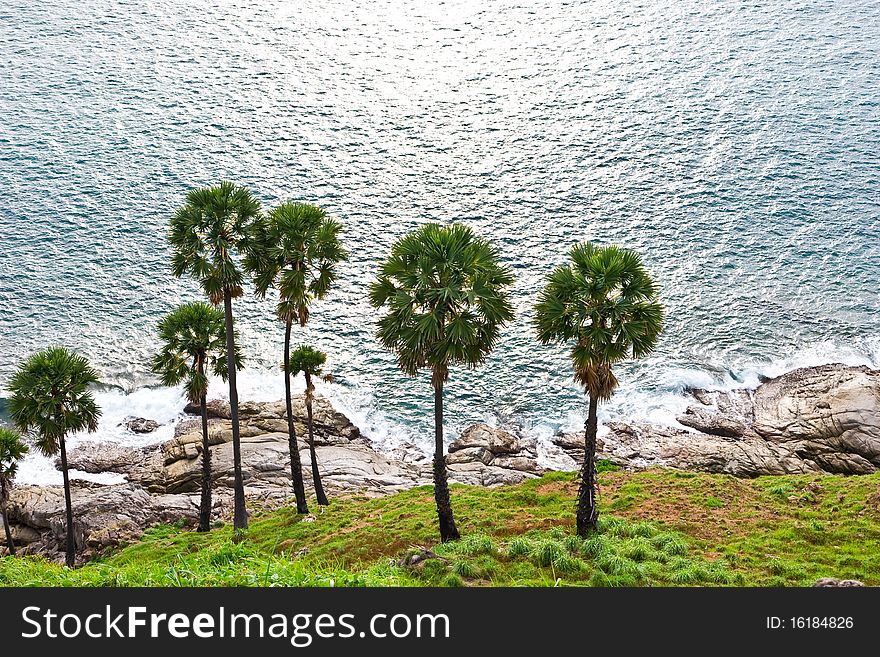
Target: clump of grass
[464, 569]
[816, 525]
[781, 489]
[785, 569]
[685, 576]
[617, 564]
[713, 503]
[639, 549]
[568, 565]
[596, 545]
[557, 534]
[642, 528]
[475, 544]
[452, 581]
[519, 547]
[670, 544]
[547, 552]
[611, 525]
[574, 544]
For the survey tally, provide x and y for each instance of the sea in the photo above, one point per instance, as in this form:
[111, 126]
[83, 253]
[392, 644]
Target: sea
[734, 144]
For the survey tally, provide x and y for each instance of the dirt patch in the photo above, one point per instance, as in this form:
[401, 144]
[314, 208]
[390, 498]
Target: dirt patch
[681, 504]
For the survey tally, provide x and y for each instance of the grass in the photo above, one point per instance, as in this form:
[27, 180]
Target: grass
[657, 528]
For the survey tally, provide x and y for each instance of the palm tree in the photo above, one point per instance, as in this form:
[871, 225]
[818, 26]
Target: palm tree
[12, 450]
[206, 235]
[446, 298]
[295, 249]
[193, 343]
[51, 399]
[309, 361]
[605, 305]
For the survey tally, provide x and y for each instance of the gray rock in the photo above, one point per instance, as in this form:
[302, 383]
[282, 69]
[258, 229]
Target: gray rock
[809, 420]
[712, 423]
[497, 441]
[217, 408]
[104, 516]
[829, 410]
[141, 425]
[522, 463]
[470, 454]
[830, 581]
[569, 441]
[642, 445]
[102, 457]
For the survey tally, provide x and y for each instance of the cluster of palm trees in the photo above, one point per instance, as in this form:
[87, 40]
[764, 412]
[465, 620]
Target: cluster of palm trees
[444, 296]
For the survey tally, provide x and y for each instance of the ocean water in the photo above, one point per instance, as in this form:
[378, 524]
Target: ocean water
[735, 145]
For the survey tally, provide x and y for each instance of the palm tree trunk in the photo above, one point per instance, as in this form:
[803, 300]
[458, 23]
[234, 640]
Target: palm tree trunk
[316, 475]
[296, 474]
[588, 511]
[9, 542]
[448, 530]
[70, 557]
[240, 519]
[205, 507]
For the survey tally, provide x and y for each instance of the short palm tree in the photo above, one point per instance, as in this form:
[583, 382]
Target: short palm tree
[208, 234]
[193, 339]
[296, 250]
[50, 398]
[446, 299]
[309, 361]
[604, 304]
[12, 450]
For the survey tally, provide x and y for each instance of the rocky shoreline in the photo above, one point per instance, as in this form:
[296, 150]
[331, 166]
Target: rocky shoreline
[821, 419]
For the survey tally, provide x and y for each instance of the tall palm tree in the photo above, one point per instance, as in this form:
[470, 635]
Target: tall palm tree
[208, 234]
[51, 399]
[446, 296]
[309, 361]
[193, 344]
[604, 304]
[12, 450]
[296, 250]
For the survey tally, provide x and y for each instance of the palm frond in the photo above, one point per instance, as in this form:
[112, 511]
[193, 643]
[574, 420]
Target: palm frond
[445, 296]
[51, 397]
[604, 304]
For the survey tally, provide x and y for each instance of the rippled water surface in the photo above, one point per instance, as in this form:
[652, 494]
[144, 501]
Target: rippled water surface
[736, 145]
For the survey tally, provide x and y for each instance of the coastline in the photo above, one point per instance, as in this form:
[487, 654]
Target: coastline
[823, 419]
[632, 405]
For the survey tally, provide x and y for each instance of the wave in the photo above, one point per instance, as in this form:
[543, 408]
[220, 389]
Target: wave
[657, 397]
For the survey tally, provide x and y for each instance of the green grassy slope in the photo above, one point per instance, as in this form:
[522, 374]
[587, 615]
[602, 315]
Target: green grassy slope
[659, 527]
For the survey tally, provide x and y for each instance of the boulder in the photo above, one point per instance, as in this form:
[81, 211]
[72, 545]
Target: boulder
[522, 463]
[141, 425]
[102, 457]
[809, 420]
[831, 409]
[217, 408]
[569, 441]
[496, 441]
[470, 454]
[712, 423]
[329, 425]
[104, 516]
[830, 581]
[644, 445]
